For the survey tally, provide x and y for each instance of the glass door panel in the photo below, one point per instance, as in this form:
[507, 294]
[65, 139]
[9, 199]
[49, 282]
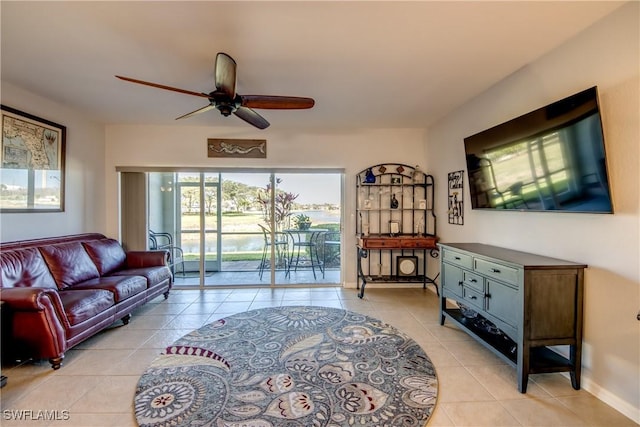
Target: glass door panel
[308, 206]
[189, 198]
[243, 241]
[210, 211]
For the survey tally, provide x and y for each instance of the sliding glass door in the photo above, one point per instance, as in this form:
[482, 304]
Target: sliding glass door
[249, 228]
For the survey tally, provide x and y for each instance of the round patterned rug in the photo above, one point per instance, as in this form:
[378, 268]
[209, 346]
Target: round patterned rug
[289, 366]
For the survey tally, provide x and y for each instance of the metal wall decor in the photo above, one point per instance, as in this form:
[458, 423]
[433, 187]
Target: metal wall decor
[246, 148]
[455, 210]
[32, 166]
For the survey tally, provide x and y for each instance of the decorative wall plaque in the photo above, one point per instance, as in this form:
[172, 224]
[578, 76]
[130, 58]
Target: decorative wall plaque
[455, 210]
[246, 148]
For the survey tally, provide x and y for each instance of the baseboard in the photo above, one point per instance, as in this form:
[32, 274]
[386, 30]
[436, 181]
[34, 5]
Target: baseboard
[625, 408]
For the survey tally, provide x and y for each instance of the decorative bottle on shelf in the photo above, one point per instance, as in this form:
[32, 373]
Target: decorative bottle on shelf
[417, 176]
[369, 177]
[394, 202]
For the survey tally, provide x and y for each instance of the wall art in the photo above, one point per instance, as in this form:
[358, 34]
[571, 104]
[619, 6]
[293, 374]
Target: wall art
[455, 210]
[246, 148]
[32, 155]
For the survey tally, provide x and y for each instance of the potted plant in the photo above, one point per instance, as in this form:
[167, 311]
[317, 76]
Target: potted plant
[302, 221]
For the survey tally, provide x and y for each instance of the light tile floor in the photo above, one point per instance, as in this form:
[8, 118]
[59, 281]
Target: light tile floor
[96, 384]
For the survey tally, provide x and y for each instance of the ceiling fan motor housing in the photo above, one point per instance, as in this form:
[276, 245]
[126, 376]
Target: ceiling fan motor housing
[224, 103]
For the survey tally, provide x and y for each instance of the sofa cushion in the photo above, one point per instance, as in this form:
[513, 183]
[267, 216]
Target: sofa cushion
[83, 304]
[106, 254]
[69, 263]
[122, 287]
[24, 268]
[154, 275]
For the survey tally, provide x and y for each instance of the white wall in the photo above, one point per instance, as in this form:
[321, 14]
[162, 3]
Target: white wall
[186, 146]
[606, 55]
[84, 205]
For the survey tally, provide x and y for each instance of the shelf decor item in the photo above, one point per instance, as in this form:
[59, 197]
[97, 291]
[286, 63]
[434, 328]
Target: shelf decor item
[393, 202]
[407, 265]
[417, 176]
[369, 177]
[32, 168]
[394, 228]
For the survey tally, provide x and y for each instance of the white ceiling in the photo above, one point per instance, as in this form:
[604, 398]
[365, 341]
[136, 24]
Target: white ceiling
[374, 64]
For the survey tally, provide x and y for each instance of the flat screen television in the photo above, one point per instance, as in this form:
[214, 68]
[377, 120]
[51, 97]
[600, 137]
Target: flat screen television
[551, 159]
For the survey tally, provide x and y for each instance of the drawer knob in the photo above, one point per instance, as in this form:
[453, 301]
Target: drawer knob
[459, 283]
[487, 295]
[457, 258]
[474, 297]
[495, 270]
[474, 281]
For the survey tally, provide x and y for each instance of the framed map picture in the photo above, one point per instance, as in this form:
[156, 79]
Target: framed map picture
[31, 163]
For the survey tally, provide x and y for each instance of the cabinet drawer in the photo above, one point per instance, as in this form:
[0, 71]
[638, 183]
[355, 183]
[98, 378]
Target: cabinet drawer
[418, 243]
[458, 258]
[380, 243]
[473, 298]
[497, 271]
[474, 281]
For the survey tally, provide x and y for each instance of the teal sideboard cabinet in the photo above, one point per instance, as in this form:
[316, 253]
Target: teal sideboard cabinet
[531, 303]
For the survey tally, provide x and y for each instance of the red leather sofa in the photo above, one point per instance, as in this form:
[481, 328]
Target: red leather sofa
[61, 291]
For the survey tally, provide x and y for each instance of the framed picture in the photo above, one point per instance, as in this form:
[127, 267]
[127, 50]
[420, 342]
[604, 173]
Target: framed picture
[396, 180]
[406, 266]
[247, 148]
[32, 155]
[394, 227]
[455, 209]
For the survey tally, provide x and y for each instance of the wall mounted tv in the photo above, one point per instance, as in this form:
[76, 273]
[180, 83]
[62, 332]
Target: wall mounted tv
[551, 159]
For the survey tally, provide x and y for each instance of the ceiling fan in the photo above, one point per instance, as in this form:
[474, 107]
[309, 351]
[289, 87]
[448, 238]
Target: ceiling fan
[225, 99]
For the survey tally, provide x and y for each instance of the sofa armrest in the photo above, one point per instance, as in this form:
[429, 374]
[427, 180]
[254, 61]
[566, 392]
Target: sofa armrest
[142, 259]
[38, 321]
[31, 299]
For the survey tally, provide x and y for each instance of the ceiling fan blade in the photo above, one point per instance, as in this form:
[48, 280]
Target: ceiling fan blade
[198, 111]
[175, 89]
[226, 74]
[276, 102]
[251, 117]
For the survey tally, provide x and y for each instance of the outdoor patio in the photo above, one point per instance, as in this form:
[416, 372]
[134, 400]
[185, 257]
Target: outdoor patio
[247, 273]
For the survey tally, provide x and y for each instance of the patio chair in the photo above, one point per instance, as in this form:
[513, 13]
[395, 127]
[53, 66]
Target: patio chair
[330, 248]
[281, 246]
[162, 240]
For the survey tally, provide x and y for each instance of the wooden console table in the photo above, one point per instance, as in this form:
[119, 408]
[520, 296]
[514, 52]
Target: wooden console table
[400, 253]
[535, 301]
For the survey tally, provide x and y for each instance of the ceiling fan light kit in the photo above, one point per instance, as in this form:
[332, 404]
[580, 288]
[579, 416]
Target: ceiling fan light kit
[227, 101]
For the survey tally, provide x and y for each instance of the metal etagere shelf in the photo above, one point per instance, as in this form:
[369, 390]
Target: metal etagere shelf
[395, 225]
